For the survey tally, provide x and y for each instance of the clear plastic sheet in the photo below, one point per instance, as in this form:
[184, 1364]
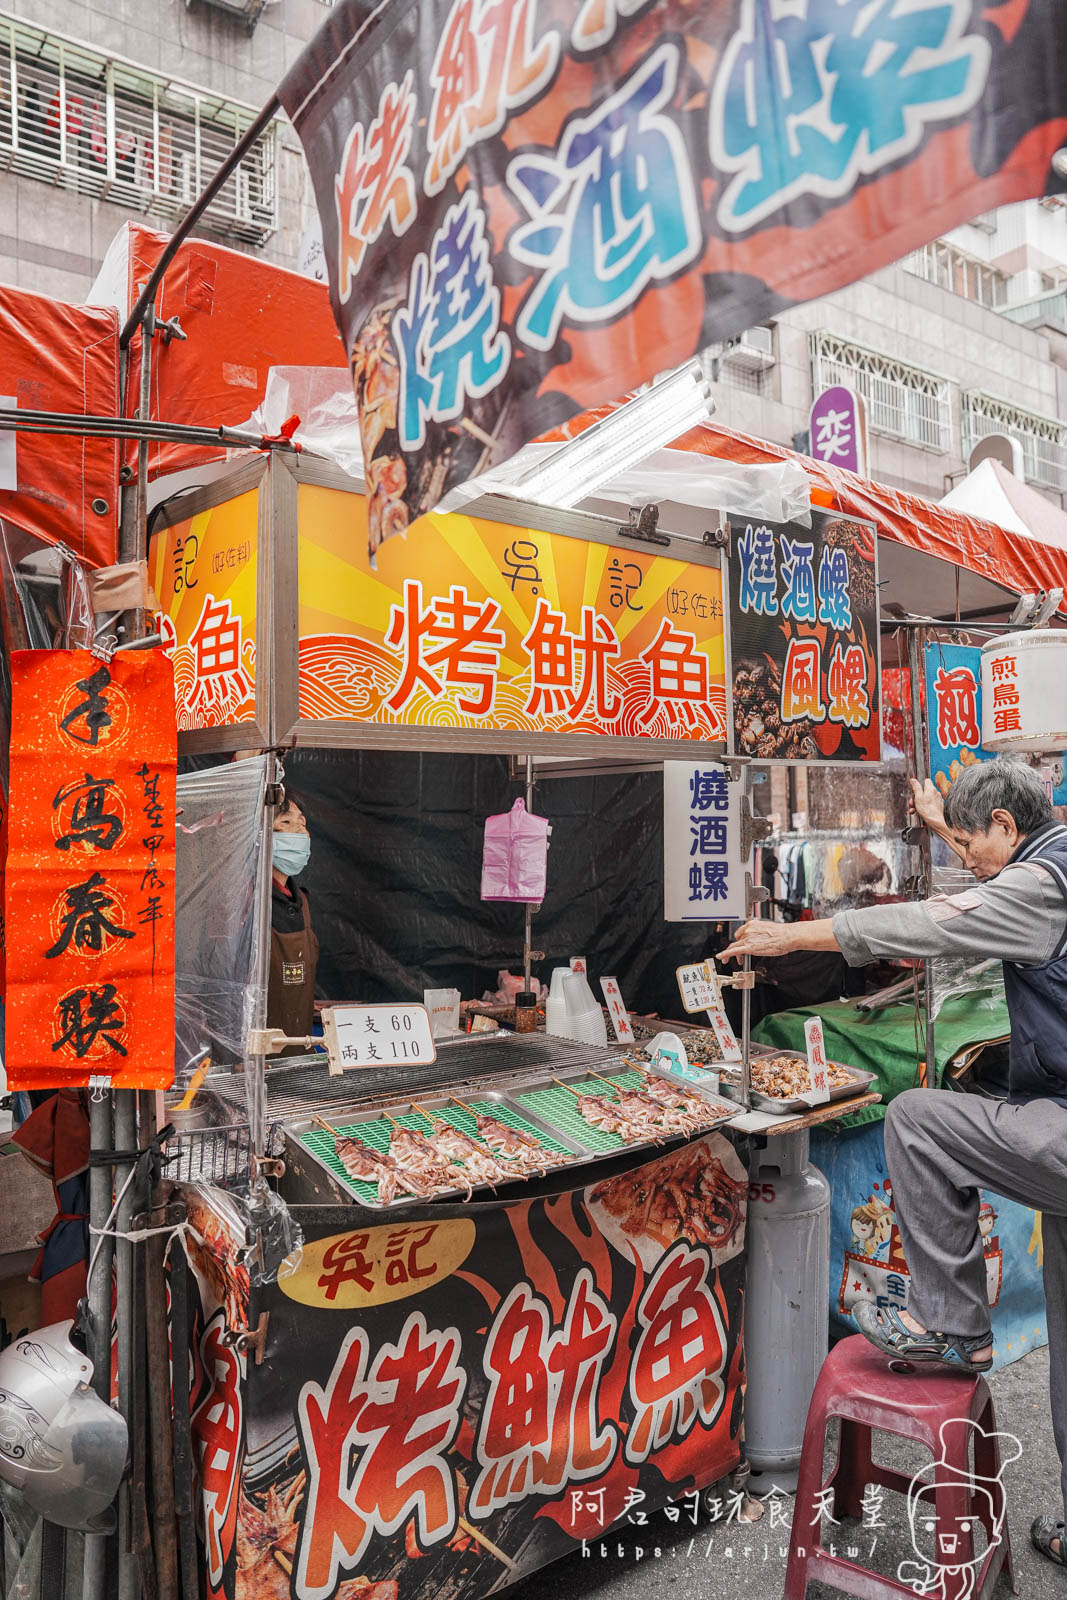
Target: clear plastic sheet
[218, 994]
[44, 605]
[329, 425]
[959, 975]
[322, 398]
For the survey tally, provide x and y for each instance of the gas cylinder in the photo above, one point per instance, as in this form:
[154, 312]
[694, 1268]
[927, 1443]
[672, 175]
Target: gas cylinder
[787, 1305]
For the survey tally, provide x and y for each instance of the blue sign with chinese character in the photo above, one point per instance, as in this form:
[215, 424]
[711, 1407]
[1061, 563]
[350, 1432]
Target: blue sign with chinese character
[703, 872]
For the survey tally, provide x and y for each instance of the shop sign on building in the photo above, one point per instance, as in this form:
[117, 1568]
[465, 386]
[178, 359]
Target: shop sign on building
[838, 429]
[703, 869]
[473, 624]
[954, 701]
[90, 871]
[804, 642]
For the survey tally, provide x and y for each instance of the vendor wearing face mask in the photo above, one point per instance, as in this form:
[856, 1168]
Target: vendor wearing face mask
[294, 949]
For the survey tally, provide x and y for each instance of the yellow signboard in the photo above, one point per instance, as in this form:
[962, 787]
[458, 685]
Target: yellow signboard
[371, 1266]
[481, 625]
[204, 571]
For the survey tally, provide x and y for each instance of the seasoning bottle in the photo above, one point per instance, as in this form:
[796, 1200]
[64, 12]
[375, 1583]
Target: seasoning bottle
[525, 1012]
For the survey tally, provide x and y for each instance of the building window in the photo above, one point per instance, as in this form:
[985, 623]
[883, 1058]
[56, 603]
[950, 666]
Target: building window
[1042, 439]
[902, 401]
[960, 273]
[102, 126]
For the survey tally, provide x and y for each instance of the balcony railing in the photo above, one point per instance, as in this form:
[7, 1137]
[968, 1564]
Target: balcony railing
[102, 126]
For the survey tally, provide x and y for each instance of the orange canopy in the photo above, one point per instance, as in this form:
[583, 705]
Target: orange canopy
[57, 357]
[1002, 556]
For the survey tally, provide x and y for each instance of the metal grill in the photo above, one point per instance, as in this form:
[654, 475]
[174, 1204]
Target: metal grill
[304, 1086]
[216, 1155]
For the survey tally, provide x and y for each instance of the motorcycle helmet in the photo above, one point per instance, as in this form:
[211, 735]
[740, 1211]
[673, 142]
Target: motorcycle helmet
[59, 1443]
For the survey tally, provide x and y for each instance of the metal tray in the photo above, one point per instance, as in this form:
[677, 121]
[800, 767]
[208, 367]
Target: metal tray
[543, 1100]
[861, 1081]
[318, 1146]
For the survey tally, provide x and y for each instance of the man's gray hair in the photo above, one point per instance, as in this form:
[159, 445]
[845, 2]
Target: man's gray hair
[1001, 785]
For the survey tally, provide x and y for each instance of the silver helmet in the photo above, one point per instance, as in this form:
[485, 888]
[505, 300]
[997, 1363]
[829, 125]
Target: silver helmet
[59, 1443]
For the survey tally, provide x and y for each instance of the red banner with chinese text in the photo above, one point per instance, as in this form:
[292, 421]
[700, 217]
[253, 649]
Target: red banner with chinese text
[90, 871]
[462, 1393]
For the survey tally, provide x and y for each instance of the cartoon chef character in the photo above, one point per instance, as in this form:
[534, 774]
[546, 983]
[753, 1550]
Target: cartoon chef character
[987, 1221]
[948, 1566]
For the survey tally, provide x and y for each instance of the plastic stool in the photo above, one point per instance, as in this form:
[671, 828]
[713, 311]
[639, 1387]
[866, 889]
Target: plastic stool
[858, 1385]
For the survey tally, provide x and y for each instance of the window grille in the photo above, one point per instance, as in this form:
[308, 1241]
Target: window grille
[960, 273]
[901, 400]
[103, 126]
[1043, 440]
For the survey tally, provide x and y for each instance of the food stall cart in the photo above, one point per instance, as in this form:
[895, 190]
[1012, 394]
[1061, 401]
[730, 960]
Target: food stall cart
[518, 1307]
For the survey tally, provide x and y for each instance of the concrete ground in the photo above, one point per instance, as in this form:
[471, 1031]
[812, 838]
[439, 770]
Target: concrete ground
[727, 1561]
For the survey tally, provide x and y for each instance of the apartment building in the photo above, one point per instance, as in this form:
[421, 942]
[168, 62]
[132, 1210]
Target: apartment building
[111, 109]
[965, 338]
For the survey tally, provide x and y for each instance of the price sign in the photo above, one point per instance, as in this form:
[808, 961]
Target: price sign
[697, 988]
[620, 1017]
[818, 1070]
[374, 1036]
[579, 964]
[724, 1034]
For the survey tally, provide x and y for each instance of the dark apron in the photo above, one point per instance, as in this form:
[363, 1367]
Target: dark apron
[291, 991]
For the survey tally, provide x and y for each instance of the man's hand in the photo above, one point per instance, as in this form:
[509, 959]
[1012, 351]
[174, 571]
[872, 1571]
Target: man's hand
[760, 938]
[928, 805]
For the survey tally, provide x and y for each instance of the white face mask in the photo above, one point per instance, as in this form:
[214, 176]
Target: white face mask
[292, 852]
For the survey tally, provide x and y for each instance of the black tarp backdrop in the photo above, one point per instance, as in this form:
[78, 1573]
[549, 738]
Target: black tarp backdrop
[395, 872]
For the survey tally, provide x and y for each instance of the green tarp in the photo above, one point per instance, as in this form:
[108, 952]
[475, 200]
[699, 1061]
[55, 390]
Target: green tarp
[888, 1043]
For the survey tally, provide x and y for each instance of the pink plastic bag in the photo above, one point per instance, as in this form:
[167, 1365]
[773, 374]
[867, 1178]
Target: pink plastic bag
[515, 856]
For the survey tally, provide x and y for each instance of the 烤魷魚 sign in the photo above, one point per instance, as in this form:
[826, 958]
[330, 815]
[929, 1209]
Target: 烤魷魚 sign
[530, 207]
[90, 871]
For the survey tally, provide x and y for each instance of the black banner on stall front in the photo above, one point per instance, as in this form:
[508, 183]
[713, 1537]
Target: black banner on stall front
[804, 640]
[460, 1393]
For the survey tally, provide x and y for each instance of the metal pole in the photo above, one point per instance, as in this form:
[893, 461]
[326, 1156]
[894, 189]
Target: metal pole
[126, 1141]
[527, 941]
[101, 1138]
[916, 643]
[164, 1528]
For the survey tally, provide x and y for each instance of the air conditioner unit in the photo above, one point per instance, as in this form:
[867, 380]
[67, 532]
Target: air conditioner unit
[753, 349]
[248, 10]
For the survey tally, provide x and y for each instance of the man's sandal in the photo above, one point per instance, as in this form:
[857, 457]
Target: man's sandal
[883, 1328]
[1042, 1532]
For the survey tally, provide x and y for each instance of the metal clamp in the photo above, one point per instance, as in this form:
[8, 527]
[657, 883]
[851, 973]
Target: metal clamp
[753, 828]
[268, 1041]
[644, 521]
[738, 980]
[169, 1216]
[248, 1340]
[719, 538]
[267, 1167]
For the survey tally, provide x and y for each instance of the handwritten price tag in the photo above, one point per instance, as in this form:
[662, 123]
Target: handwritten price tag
[697, 988]
[620, 1017]
[818, 1069]
[724, 1034]
[371, 1036]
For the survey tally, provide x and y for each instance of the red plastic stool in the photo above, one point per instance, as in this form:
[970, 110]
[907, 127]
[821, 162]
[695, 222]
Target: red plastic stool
[942, 1409]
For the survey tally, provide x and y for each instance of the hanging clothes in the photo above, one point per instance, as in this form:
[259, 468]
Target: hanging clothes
[55, 1137]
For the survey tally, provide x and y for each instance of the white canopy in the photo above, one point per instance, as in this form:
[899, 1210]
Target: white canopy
[992, 492]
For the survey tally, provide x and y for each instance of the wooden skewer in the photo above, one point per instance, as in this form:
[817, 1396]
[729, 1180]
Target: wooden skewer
[324, 1124]
[430, 1116]
[568, 1088]
[284, 1561]
[479, 1537]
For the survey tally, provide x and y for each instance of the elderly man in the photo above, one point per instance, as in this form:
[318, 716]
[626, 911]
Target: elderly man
[941, 1147]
